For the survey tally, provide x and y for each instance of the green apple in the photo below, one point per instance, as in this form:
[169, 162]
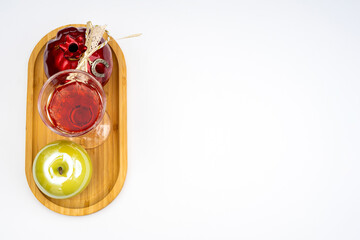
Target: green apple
[62, 169]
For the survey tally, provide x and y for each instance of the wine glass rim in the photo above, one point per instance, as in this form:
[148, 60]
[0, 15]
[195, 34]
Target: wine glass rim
[60, 131]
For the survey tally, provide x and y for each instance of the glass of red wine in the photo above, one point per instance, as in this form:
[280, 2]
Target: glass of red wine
[72, 103]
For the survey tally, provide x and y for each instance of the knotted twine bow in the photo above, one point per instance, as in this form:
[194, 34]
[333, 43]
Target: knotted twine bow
[93, 37]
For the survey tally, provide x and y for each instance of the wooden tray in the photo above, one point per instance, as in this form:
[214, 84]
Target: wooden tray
[109, 160]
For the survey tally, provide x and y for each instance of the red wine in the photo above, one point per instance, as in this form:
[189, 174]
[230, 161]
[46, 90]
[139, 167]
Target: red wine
[74, 107]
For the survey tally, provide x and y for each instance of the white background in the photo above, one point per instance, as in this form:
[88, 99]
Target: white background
[243, 120]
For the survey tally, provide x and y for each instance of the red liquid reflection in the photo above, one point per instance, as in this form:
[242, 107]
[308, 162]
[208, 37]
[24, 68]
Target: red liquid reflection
[74, 107]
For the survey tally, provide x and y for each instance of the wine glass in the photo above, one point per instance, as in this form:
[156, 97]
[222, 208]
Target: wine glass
[72, 103]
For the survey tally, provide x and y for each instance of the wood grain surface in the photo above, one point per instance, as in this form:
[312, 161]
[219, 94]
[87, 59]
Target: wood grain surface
[109, 159]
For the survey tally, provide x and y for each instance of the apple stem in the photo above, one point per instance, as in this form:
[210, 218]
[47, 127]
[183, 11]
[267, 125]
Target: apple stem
[60, 170]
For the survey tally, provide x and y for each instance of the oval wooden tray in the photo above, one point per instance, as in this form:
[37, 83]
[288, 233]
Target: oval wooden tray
[109, 160]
